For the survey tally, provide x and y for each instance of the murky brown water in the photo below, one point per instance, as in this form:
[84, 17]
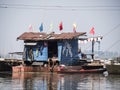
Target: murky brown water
[54, 81]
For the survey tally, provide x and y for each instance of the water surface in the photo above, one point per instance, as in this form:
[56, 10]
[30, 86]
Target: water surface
[54, 81]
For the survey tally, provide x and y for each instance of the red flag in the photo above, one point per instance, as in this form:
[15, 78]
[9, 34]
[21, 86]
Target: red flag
[92, 32]
[60, 26]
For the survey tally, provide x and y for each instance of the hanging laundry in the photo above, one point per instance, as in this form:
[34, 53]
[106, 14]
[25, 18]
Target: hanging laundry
[37, 52]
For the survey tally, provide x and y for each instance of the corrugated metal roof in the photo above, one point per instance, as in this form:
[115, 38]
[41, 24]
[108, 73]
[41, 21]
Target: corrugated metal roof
[36, 36]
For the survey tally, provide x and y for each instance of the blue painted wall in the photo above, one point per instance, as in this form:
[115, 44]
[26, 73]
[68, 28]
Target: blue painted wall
[39, 52]
[59, 50]
[69, 51]
[40, 55]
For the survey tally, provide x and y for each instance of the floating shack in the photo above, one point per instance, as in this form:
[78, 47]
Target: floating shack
[41, 47]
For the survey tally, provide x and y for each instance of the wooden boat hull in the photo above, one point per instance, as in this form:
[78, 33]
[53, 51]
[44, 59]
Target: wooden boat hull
[113, 69]
[81, 70]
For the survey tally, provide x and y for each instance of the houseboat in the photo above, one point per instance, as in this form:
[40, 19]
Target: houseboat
[40, 47]
[52, 49]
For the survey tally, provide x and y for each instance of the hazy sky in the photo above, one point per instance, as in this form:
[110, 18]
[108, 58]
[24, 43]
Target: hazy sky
[17, 15]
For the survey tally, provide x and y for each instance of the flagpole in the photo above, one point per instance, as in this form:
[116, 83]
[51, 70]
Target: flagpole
[92, 32]
[93, 48]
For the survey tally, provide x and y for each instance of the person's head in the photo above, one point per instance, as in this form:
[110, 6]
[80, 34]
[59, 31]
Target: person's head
[50, 59]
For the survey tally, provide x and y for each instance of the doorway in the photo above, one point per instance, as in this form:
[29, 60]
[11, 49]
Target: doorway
[52, 49]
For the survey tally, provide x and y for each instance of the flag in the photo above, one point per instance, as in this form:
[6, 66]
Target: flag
[51, 27]
[30, 27]
[92, 32]
[60, 26]
[74, 27]
[41, 27]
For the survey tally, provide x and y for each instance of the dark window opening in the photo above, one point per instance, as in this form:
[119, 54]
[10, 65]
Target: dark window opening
[52, 49]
